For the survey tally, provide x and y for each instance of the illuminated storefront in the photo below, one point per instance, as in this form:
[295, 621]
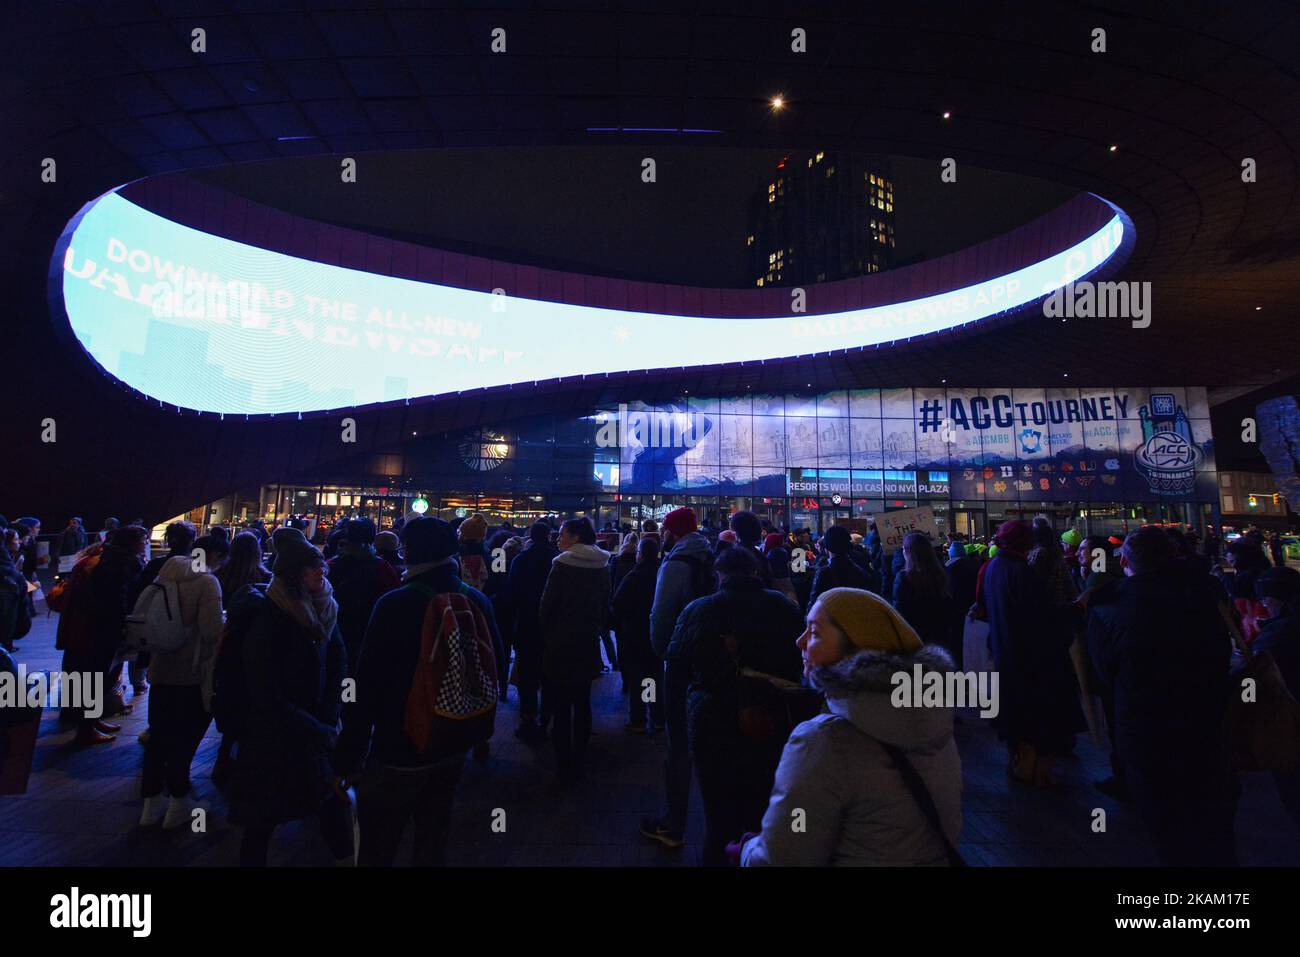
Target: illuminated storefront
[1102, 459]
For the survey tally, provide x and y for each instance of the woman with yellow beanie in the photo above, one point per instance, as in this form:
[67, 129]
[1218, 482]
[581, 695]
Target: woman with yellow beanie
[868, 782]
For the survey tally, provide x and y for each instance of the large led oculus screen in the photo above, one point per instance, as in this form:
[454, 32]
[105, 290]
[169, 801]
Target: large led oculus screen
[207, 323]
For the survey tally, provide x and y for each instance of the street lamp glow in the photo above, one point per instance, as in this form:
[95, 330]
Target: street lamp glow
[778, 102]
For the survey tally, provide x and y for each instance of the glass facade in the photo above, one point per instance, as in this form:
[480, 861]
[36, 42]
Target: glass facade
[1104, 459]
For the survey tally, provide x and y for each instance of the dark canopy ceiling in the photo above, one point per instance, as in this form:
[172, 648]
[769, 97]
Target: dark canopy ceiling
[1185, 92]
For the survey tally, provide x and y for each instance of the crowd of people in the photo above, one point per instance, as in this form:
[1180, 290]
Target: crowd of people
[358, 677]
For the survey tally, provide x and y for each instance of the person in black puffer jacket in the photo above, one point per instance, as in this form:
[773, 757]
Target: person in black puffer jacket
[840, 571]
[574, 604]
[294, 664]
[528, 573]
[742, 625]
[359, 578]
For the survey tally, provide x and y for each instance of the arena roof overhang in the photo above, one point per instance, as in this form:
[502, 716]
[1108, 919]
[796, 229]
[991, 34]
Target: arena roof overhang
[1190, 97]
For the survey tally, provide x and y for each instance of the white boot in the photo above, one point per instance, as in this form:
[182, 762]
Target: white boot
[154, 807]
[180, 812]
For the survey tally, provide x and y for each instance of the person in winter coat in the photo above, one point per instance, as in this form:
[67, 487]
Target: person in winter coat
[1159, 645]
[749, 534]
[400, 783]
[474, 559]
[1039, 712]
[838, 768]
[388, 547]
[777, 559]
[921, 593]
[498, 592]
[73, 538]
[631, 612]
[573, 609]
[358, 578]
[839, 570]
[528, 574]
[574, 604]
[1278, 590]
[178, 697]
[735, 745]
[15, 616]
[108, 596]
[1246, 556]
[294, 664]
[686, 573]
[961, 570]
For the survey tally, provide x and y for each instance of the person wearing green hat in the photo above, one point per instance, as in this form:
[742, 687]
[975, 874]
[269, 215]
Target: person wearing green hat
[874, 783]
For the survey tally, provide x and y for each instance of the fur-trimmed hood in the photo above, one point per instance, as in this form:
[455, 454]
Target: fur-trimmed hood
[583, 556]
[859, 688]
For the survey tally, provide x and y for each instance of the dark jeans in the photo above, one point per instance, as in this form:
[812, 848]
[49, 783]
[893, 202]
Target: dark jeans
[177, 723]
[735, 786]
[388, 798]
[570, 704]
[677, 767]
[335, 828]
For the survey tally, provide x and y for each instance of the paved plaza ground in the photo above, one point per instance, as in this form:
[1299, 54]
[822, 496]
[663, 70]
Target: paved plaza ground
[82, 804]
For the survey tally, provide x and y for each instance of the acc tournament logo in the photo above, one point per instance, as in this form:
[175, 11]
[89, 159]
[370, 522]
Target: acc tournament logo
[1168, 456]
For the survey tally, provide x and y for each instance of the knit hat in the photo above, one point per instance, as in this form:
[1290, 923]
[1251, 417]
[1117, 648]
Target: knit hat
[993, 551]
[1072, 538]
[957, 550]
[285, 534]
[972, 549]
[473, 529]
[773, 540]
[386, 542]
[727, 535]
[427, 539]
[680, 521]
[292, 555]
[1017, 534]
[868, 621]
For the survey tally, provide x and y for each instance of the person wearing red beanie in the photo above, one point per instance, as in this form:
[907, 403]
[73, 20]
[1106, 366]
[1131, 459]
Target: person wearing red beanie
[681, 521]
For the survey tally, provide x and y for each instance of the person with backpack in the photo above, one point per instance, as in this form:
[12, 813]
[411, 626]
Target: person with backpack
[180, 688]
[108, 598]
[179, 538]
[359, 578]
[279, 690]
[573, 609]
[737, 647]
[528, 574]
[873, 784]
[685, 574]
[404, 743]
[630, 609]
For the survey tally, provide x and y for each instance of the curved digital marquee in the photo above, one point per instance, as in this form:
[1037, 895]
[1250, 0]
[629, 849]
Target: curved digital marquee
[202, 322]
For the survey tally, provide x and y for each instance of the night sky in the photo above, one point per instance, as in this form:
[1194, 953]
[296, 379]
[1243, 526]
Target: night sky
[586, 209]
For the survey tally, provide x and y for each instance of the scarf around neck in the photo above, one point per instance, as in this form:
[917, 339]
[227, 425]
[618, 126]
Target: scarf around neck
[316, 612]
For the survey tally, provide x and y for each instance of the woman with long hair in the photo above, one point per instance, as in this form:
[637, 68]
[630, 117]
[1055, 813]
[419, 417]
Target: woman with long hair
[921, 593]
[243, 567]
[294, 664]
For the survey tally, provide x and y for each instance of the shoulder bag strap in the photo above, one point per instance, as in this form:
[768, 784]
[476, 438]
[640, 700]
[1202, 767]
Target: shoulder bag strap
[915, 784]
